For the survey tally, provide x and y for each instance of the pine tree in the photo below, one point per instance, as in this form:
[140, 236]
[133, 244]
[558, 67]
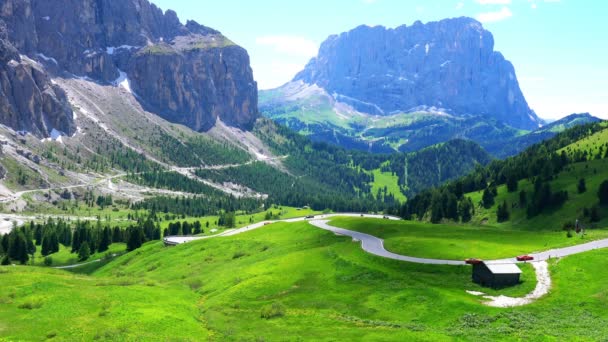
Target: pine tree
[117, 235]
[487, 199]
[135, 238]
[84, 252]
[603, 193]
[106, 240]
[464, 209]
[436, 208]
[76, 240]
[582, 187]
[511, 183]
[502, 212]
[523, 198]
[46, 248]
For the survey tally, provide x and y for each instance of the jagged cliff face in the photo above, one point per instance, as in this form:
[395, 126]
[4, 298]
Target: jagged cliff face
[194, 72]
[28, 99]
[178, 71]
[450, 64]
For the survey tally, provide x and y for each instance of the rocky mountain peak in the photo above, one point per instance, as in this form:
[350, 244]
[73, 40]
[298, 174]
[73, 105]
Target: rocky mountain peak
[188, 74]
[449, 64]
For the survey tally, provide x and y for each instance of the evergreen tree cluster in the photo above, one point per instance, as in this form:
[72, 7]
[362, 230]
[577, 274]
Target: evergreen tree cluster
[172, 181]
[83, 237]
[539, 163]
[195, 151]
[183, 228]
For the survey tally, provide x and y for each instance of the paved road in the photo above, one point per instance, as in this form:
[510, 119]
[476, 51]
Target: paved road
[375, 245]
[176, 240]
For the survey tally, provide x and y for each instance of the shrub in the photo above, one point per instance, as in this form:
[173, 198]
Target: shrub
[238, 254]
[194, 284]
[594, 215]
[48, 261]
[582, 186]
[603, 193]
[31, 305]
[273, 310]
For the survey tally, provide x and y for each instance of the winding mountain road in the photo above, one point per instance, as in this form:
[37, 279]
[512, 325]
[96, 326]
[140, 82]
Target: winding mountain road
[375, 245]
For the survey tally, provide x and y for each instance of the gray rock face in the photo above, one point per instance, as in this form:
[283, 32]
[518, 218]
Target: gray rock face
[29, 101]
[450, 64]
[189, 74]
[194, 75]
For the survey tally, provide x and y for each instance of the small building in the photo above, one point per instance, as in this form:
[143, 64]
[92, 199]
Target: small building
[496, 275]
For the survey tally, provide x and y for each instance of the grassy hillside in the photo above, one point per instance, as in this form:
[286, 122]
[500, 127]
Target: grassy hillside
[388, 181]
[539, 187]
[308, 283]
[552, 219]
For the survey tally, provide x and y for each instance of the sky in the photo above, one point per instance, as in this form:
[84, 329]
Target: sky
[558, 47]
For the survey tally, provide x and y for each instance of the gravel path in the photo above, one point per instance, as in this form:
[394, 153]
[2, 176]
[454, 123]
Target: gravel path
[543, 284]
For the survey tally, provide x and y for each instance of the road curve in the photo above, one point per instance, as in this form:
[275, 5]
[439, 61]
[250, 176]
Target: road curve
[176, 240]
[374, 245]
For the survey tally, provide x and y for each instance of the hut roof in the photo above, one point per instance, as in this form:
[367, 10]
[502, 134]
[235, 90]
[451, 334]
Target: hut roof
[503, 268]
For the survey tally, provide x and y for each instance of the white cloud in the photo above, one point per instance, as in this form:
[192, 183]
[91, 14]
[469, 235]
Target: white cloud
[488, 17]
[459, 5]
[289, 45]
[494, 2]
[274, 73]
[533, 6]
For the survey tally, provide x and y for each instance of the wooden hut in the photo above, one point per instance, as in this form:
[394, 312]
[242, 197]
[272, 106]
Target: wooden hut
[496, 275]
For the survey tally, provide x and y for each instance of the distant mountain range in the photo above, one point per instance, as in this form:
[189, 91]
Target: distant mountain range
[407, 88]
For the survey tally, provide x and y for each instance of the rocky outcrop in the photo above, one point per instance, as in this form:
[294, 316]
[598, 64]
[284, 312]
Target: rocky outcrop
[189, 74]
[449, 65]
[29, 101]
[197, 69]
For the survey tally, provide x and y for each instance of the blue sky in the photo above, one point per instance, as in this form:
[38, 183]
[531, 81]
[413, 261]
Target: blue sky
[559, 47]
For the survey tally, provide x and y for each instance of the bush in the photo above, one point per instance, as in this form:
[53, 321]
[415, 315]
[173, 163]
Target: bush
[603, 193]
[31, 305]
[594, 215]
[194, 284]
[582, 186]
[238, 254]
[569, 234]
[48, 261]
[271, 311]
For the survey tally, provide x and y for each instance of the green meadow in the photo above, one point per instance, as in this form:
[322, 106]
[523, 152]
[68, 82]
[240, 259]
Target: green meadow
[291, 282]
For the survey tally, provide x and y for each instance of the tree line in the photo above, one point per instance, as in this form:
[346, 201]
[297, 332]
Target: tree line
[84, 238]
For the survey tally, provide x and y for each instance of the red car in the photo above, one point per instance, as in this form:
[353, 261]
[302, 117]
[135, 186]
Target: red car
[472, 261]
[525, 258]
